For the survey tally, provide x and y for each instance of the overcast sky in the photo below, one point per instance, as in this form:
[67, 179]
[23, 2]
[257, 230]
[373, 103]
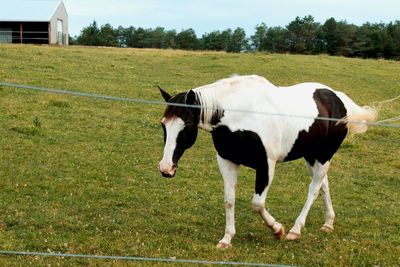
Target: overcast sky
[209, 15]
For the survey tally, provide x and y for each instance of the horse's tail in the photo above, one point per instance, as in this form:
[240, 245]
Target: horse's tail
[358, 118]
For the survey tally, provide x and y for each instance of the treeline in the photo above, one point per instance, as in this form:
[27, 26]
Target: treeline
[300, 36]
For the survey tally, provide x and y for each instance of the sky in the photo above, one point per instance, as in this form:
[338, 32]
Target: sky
[209, 15]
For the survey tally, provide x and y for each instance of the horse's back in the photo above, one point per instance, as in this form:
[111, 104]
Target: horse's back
[296, 130]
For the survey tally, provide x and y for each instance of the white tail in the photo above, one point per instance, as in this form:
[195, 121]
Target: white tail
[357, 118]
[358, 122]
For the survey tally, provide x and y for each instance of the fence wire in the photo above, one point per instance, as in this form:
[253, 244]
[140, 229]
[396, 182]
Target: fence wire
[155, 102]
[140, 259]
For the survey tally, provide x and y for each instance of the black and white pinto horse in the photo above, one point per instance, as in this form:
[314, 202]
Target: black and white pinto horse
[259, 141]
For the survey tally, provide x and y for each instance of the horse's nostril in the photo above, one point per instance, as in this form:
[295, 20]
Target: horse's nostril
[167, 174]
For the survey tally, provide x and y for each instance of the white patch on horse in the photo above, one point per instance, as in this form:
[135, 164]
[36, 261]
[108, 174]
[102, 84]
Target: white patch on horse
[173, 127]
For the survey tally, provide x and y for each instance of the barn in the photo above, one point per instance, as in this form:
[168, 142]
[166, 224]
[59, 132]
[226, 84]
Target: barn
[33, 22]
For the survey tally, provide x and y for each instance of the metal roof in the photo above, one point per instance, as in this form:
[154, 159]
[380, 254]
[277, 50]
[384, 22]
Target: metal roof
[28, 10]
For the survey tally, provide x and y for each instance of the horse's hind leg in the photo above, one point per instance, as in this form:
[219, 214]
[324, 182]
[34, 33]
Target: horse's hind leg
[264, 178]
[329, 212]
[319, 173]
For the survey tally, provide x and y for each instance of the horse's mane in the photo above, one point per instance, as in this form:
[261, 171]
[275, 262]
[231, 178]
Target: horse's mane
[210, 95]
[209, 105]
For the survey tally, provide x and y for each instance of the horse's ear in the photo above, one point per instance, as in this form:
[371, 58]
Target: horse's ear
[190, 98]
[164, 94]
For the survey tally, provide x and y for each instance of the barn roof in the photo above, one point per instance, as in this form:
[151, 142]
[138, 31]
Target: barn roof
[28, 10]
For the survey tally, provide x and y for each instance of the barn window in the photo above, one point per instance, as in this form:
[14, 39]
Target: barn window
[6, 35]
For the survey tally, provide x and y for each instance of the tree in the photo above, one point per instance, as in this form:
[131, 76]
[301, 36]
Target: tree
[122, 39]
[108, 36]
[260, 36]
[347, 33]
[126, 36]
[156, 37]
[72, 40]
[170, 39]
[237, 41]
[319, 42]
[302, 35]
[187, 39]
[213, 41]
[330, 36]
[226, 38]
[369, 41]
[276, 40]
[140, 38]
[90, 35]
[392, 44]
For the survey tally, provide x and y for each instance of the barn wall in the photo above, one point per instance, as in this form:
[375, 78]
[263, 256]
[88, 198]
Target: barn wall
[59, 14]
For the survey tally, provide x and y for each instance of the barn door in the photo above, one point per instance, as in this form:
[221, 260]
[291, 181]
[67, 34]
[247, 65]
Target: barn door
[60, 33]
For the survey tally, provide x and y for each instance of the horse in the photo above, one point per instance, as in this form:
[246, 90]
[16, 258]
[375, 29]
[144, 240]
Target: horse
[257, 124]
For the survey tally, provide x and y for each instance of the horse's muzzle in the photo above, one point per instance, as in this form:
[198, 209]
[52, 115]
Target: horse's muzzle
[168, 173]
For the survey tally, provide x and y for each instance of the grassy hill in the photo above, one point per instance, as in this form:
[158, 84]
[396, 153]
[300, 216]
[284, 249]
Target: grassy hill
[79, 175]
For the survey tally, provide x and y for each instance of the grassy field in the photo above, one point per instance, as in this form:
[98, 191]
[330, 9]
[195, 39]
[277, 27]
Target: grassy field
[79, 175]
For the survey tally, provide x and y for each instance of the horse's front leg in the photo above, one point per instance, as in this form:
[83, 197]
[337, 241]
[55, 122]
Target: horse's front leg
[229, 173]
[264, 177]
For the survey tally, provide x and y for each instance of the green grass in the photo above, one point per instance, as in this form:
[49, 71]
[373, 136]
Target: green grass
[80, 176]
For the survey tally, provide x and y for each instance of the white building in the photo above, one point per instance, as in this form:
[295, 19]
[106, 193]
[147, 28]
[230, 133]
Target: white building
[37, 22]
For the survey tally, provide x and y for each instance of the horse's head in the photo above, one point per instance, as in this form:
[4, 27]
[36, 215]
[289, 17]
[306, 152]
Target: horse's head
[180, 129]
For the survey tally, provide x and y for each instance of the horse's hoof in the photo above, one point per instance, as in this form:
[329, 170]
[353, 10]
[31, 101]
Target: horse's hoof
[280, 234]
[327, 228]
[292, 236]
[223, 246]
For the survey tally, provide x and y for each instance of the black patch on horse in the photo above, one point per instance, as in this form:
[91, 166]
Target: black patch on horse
[244, 148]
[216, 117]
[324, 137]
[190, 115]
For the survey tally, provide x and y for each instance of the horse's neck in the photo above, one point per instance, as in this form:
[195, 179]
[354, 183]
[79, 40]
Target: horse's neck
[242, 92]
[210, 110]
[209, 117]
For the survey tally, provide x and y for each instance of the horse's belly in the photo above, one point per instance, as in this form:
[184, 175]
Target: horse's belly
[241, 147]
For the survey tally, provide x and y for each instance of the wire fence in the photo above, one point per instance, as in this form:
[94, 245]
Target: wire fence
[139, 259]
[156, 102]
